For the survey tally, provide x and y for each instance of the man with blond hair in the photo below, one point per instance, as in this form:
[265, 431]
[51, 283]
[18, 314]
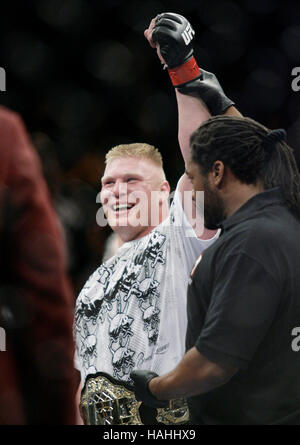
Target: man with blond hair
[131, 313]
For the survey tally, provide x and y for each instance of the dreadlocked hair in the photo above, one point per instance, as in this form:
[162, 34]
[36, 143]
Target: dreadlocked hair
[241, 144]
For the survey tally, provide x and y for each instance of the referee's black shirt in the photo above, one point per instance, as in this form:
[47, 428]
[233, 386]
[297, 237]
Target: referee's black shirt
[244, 310]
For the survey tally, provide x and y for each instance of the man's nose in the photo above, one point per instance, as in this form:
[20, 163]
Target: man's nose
[120, 188]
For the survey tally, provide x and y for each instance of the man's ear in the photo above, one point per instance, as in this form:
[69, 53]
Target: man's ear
[218, 172]
[165, 189]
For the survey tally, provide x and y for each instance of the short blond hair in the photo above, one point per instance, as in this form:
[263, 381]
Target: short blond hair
[137, 150]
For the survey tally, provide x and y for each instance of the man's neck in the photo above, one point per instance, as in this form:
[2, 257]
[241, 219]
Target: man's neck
[241, 194]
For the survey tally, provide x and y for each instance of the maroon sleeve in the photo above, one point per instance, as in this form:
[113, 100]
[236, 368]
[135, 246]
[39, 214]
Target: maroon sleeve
[35, 291]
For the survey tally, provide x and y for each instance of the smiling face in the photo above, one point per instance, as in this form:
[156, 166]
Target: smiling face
[131, 207]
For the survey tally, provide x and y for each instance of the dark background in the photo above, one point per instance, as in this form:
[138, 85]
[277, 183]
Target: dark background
[84, 79]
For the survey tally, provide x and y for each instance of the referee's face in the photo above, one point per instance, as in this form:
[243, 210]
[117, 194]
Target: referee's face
[214, 210]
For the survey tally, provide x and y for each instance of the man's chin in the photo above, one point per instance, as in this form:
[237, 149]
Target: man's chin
[116, 223]
[129, 232]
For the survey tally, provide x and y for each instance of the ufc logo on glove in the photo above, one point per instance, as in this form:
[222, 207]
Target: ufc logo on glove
[188, 34]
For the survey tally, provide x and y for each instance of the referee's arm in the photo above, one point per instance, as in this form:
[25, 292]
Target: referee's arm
[194, 375]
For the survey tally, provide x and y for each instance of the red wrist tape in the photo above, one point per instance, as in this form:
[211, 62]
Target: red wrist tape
[184, 73]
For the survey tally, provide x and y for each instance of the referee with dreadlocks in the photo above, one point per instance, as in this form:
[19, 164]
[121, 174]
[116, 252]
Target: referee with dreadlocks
[244, 295]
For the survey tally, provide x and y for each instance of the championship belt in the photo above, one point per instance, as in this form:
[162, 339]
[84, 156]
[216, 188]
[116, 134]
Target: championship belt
[106, 401]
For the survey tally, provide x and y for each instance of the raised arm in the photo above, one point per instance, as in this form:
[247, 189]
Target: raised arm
[191, 113]
[198, 92]
[192, 97]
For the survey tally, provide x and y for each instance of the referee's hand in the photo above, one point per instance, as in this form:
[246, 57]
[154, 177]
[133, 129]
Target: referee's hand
[141, 381]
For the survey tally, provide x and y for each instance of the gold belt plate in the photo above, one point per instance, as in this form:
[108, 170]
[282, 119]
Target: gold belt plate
[106, 401]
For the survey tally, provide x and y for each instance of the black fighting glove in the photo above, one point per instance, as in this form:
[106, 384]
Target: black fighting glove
[141, 381]
[208, 89]
[174, 34]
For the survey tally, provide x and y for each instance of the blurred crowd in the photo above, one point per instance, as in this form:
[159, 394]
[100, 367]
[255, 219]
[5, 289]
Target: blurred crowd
[80, 74]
